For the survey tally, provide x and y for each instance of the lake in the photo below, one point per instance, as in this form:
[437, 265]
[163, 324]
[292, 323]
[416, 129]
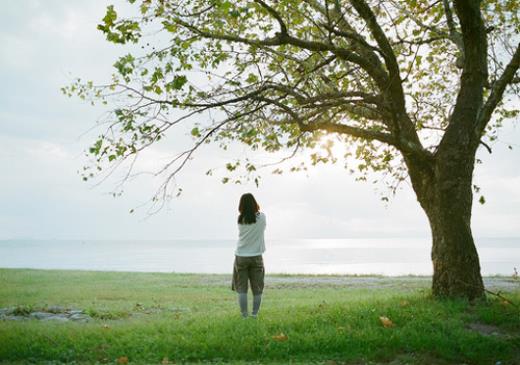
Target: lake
[386, 256]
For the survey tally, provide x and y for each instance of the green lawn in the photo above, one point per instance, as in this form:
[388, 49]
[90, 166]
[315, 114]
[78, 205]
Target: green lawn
[151, 318]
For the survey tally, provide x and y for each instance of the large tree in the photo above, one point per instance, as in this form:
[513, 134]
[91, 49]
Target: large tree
[415, 85]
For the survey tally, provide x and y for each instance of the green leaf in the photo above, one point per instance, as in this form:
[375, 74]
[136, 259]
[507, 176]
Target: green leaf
[96, 148]
[252, 78]
[179, 81]
[195, 132]
[110, 16]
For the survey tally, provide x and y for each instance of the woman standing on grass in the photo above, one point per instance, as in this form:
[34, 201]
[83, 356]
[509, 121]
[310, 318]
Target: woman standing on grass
[249, 264]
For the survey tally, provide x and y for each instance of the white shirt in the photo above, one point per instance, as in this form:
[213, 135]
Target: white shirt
[251, 237]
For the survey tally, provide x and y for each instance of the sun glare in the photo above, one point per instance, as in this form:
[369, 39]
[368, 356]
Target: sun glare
[332, 145]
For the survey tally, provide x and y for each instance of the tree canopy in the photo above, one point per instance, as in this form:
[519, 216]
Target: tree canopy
[383, 76]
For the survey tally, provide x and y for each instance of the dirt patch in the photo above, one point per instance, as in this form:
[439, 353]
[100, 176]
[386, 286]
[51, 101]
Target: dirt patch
[274, 281]
[485, 329]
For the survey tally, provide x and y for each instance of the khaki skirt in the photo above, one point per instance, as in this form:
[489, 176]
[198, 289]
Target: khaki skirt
[248, 270]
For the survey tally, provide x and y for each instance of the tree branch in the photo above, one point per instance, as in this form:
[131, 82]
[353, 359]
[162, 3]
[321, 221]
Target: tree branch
[472, 80]
[455, 36]
[351, 131]
[497, 91]
[352, 36]
[377, 74]
[328, 126]
[486, 146]
[358, 43]
[369, 17]
[275, 14]
[405, 129]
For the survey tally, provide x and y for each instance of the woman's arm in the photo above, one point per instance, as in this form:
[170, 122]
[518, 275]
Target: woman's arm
[263, 220]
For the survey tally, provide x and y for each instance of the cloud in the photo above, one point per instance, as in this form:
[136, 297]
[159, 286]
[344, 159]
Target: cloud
[47, 43]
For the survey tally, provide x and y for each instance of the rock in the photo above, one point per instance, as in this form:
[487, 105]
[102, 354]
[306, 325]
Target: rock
[14, 318]
[79, 317]
[41, 315]
[54, 313]
[75, 311]
[56, 317]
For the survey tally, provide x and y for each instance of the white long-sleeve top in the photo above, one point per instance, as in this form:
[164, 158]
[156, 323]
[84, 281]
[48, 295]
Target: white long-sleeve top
[251, 237]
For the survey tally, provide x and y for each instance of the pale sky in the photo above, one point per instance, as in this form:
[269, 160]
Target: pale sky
[45, 44]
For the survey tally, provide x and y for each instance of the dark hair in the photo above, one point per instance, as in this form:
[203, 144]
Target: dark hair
[248, 207]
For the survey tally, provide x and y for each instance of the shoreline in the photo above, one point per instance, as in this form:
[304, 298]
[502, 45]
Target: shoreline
[284, 280]
[272, 274]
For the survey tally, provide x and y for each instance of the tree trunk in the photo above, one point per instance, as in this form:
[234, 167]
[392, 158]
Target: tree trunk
[444, 189]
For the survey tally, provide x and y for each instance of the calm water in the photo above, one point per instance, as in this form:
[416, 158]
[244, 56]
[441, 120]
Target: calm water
[395, 256]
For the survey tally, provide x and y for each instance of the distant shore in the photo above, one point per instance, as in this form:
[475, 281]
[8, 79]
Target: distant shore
[493, 282]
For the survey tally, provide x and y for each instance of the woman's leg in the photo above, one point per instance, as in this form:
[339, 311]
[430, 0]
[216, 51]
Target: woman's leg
[256, 274]
[257, 300]
[242, 302]
[240, 276]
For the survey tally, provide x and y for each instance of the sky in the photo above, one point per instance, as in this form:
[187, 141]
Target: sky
[46, 44]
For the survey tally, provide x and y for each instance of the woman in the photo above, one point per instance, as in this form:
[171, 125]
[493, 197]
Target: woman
[249, 265]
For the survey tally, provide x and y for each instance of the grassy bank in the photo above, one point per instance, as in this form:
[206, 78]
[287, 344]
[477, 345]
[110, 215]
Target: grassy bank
[175, 318]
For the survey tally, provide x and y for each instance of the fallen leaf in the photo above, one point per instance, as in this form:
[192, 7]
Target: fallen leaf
[386, 322]
[281, 337]
[122, 360]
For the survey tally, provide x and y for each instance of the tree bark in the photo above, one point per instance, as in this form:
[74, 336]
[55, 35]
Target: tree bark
[444, 190]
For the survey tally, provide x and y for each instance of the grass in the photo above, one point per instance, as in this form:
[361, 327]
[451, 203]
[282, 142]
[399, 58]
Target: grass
[151, 318]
